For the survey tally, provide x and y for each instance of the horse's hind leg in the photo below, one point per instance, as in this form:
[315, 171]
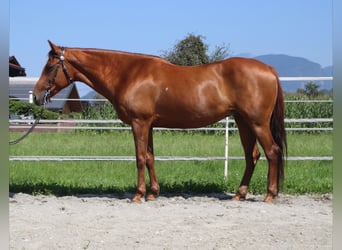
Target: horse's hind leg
[252, 155]
[273, 155]
[151, 170]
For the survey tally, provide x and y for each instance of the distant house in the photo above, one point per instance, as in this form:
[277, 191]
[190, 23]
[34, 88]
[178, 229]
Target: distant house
[15, 68]
[19, 88]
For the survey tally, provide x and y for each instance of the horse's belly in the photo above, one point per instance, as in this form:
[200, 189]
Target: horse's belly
[192, 107]
[188, 120]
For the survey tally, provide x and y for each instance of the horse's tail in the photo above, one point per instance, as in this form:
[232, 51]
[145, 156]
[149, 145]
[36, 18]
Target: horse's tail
[278, 129]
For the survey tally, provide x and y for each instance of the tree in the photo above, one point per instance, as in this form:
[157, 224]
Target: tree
[220, 53]
[193, 51]
[311, 89]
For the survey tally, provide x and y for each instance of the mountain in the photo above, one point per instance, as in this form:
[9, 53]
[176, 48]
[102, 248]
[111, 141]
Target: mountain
[297, 66]
[292, 66]
[328, 71]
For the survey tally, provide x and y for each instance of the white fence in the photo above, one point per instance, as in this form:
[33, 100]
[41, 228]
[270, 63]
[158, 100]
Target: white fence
[73, 124]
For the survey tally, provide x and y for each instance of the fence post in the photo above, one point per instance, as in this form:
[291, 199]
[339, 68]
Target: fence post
[30, 96]
[226, 151]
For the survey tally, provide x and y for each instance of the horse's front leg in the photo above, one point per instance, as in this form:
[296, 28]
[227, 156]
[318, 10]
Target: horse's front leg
[151, 170]
[140, 132]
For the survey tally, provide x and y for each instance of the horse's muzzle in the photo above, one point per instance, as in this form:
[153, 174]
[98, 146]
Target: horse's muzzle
[38, 99]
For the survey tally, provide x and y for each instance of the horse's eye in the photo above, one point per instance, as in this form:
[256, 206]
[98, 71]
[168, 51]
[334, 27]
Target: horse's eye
[48, 68]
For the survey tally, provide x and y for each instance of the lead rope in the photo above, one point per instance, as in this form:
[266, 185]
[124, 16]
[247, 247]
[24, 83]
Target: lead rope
[34, 124]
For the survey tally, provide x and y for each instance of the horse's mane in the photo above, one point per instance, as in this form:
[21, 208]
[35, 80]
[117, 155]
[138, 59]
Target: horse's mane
[142, 55]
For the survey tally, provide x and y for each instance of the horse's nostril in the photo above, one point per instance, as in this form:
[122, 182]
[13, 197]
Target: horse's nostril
[35, 100]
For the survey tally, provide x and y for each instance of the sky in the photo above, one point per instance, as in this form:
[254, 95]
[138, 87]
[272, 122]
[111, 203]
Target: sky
[300, 28]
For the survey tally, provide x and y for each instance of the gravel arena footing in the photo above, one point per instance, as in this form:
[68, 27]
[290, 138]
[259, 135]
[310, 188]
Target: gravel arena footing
[184, 221]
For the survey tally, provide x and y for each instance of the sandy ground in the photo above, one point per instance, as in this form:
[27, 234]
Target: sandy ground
[212, 221]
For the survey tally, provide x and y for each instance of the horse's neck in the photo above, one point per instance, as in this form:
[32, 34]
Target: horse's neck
[100, 70]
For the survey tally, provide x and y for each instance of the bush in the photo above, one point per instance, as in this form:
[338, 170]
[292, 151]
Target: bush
[24, 108]
[99, 112]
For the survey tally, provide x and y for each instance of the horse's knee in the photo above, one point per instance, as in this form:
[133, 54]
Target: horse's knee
[149, 160]
[141, 161]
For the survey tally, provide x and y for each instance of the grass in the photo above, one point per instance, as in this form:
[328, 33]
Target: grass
[68, 178]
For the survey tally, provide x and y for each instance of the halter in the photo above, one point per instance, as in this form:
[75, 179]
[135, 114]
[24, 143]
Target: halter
[47, 93]
[65, 71]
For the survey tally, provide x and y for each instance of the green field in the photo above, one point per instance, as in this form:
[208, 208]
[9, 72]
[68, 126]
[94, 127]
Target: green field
[67, 178]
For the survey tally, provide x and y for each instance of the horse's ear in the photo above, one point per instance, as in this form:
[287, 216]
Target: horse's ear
[54, 47]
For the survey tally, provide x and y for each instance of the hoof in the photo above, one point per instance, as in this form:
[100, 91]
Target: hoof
[151, 197]
[238, 197]
[269, 199]
[137, 198]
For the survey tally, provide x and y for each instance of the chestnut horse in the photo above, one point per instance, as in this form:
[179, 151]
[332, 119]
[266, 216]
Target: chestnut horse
[147, 91]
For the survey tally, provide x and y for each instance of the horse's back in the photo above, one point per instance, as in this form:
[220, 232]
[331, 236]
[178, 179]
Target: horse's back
[195, 96]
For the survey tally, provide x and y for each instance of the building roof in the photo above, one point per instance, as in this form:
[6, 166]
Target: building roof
[15, 68]
[19, 88]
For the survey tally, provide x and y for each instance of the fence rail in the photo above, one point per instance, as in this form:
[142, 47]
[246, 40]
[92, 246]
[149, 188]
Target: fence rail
[106, 100]
[74, 124]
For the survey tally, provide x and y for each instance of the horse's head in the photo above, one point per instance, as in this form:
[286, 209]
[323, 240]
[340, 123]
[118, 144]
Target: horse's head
[55, 75]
